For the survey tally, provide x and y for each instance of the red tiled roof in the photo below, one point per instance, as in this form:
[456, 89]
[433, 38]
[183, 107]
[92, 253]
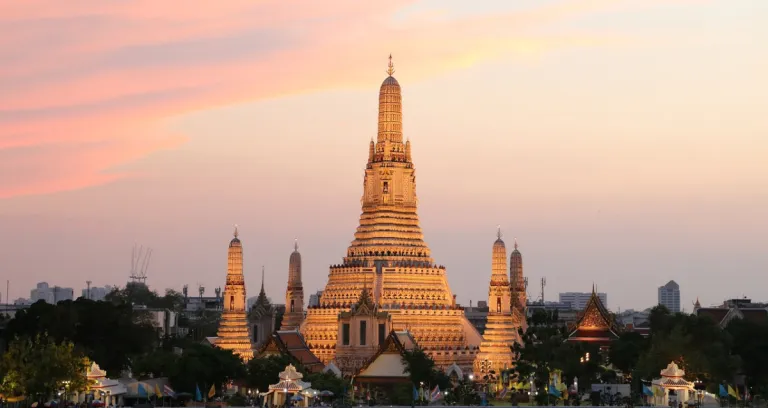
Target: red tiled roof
[755, 315]
[715, 313]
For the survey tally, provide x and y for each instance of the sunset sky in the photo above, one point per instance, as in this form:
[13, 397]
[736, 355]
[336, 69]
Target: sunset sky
[623, 143]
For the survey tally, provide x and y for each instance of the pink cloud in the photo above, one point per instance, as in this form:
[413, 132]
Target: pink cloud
[95, 79]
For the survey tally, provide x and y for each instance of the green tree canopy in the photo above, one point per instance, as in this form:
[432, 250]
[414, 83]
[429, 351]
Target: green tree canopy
[38, 367]
[108, 334]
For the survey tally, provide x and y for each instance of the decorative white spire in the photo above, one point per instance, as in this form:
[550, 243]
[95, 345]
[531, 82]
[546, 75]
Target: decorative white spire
[236, 231]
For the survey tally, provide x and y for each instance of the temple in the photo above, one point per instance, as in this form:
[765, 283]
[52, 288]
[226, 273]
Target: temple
[261, 317]
[501, 332]
[518, 286]
[596, 324]
[294, 293]
[234, 333]
[389, 258]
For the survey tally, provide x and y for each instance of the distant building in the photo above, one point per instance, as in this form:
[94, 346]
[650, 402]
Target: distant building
[579, 300]
[477, 315]
[669, 296]
[632, 320]
[165, 321]
[734, 309]
[96, 293]
[314, 299]
[566, 315]
[49, 294]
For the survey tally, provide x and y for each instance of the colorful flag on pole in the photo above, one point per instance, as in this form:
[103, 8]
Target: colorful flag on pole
[212, 392]
[198, 395]
[723, 391]
[503, 392]
[733, 393]
[157, 391]
[415, 393]
[142, 391]
[167, 390]
[647, 391]
[554, 391]
[436, 394]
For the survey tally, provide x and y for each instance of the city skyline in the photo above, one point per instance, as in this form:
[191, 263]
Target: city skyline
[621, 142]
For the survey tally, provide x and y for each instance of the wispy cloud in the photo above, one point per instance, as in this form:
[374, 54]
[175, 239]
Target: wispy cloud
[87, 83]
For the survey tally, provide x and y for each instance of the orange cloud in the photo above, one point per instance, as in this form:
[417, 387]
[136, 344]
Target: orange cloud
[88, 83]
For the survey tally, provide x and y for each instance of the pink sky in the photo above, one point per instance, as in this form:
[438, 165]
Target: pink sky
[622, 142]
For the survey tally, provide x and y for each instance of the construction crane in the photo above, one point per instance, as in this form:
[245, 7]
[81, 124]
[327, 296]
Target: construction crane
[139, 264]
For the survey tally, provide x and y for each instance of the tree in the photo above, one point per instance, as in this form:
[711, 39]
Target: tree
[108, 334]
[205, 366]
[327, 381]
[264, 371]
[38, 367]
[750, 343]
[419, 366]
[625, 351]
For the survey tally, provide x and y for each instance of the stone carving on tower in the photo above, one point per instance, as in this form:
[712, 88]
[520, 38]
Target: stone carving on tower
[501, 330]
[261, 317]
[389, 257]
[294, 294]
[234, 332]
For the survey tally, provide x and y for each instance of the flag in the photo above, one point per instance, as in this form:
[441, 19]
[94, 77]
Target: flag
[553, 391]
[157, 391]
[503, 392]
[723, 391]
[435, 394]
[415, 393]
[168, 391]
[733, 393]
[647, 391]
[421, 393]
[198, 396]
[142, 391]
[212, 392]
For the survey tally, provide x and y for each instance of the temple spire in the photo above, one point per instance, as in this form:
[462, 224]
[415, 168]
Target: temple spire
[498, 232]
[390, 66]
[262, 278]
[295, 244]
[515, 242]
[235, 231]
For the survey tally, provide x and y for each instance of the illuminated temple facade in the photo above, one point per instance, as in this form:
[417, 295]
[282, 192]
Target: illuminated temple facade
[389, 264]
[501, 330]
[234, 332]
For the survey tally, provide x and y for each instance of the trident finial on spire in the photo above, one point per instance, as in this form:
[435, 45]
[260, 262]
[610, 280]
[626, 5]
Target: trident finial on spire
[515, 242]
[262, 278]
[498, 231]
[390, 66]
[295, 244]
[236, 231]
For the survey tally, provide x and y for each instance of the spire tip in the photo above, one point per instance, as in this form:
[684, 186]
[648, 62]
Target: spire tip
[390, 66]
[236, 234]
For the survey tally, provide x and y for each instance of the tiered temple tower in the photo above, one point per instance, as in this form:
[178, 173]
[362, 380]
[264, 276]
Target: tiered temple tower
[517, 284]
[261, 317]
[294, 294]
[234, 333]
[501, 330]
[389, 257]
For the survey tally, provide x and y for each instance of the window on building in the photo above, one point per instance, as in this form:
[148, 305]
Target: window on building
[291, 305]
[362, 332]
[386, 187]
[345, 334]
[231, 303]
[382, 333]
[498, 305]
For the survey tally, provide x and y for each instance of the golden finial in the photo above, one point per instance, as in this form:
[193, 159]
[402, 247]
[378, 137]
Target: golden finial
[515, 242]
[235, 230]
[390, 66]
[296, 244]
[498, 231]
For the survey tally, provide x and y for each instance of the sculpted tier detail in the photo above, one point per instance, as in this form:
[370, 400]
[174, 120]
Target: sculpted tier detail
[234, 332]
[389, 257]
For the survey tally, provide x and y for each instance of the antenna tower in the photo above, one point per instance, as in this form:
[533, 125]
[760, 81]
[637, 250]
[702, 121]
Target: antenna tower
[88, 293]
[139, 264]
[543, 283]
